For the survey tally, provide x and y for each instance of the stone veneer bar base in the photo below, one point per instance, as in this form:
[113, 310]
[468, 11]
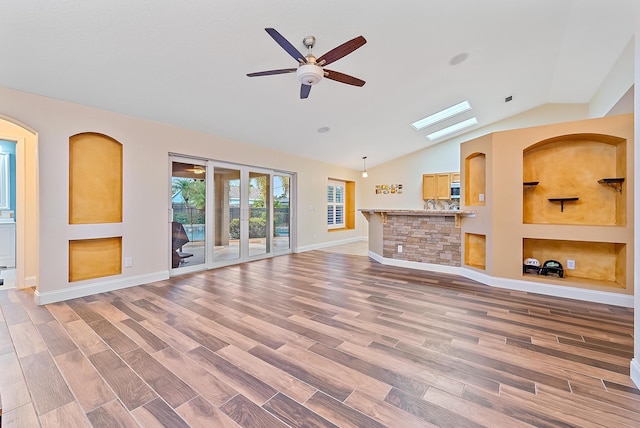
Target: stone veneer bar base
[424, 239]
[430, 237]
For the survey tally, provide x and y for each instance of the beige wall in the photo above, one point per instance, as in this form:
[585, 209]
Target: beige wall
[635, 365]
[445, 157]
[501, 219]
[615, 85]
[146, 146]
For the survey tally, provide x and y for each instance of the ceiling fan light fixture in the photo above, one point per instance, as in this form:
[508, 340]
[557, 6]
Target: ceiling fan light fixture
[309, 74]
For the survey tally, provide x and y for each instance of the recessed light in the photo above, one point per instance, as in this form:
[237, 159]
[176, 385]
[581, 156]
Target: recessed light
[453, 128]
[324, 129]
[442, 115]
[461, 57]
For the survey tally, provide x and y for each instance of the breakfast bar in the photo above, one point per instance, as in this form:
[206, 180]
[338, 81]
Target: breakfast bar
[422, 236]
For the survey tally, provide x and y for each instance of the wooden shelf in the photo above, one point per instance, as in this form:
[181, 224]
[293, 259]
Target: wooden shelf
[616, 183]
[562, 201]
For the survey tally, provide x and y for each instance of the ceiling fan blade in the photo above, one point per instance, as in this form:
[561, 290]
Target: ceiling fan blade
[284, 44]
[342, 50]
[304, 91]
[272, 72]
[343, 78]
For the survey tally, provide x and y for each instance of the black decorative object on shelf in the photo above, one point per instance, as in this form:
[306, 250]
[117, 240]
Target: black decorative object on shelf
[562, 201]
[616, 183]
[552, 267]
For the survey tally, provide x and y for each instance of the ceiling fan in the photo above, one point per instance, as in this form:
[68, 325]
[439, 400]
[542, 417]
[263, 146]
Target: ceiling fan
[310, 69]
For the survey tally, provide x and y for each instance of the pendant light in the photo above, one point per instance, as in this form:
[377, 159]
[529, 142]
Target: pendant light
[364, 167]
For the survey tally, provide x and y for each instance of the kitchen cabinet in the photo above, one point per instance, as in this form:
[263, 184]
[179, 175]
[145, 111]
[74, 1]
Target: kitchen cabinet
[436, 186]
[455, 177]
[8, 244]
[5, 195]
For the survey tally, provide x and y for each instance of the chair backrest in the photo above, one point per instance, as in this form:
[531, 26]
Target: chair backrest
[178, 235]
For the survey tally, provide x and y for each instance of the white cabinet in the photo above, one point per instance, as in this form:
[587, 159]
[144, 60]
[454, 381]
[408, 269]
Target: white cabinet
[8, 244]
[5, 196]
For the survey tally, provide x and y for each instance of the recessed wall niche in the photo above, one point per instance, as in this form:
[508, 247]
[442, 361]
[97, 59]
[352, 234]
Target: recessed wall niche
[95, 197]
[597, 263]
[95, 179]
[94, 258]
[475, 250]
[475, 179]
[575, 179]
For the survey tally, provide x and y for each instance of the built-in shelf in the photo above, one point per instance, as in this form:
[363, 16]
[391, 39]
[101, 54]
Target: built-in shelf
[530, 183]
[616, 183]
[562, 201]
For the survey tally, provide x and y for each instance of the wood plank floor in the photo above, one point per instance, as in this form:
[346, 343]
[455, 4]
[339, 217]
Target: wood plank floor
[317, 339]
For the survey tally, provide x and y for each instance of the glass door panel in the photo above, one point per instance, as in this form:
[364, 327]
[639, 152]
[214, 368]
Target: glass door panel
[281, 212]
[228, 229]
[259, 209]
[188, 224]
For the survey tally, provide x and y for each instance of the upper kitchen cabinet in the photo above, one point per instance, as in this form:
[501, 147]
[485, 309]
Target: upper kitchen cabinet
[437, 186]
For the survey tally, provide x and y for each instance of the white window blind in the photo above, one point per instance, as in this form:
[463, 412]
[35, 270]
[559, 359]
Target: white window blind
[335, 204]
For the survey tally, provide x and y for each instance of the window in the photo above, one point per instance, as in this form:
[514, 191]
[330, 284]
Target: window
[336, 204]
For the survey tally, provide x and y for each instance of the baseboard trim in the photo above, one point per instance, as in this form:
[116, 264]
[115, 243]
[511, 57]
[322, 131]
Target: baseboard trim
[587, 295]
[44, 298]
[455, 270]
[635, 371]
[329, 244]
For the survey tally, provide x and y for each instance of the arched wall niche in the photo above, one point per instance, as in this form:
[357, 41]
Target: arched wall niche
[95, 197]
[575, 179]
[95, 179]
[475, 179]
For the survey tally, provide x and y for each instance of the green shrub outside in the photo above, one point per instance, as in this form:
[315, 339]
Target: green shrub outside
[257, 228]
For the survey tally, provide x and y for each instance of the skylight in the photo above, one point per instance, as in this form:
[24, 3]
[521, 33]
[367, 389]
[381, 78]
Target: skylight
[442, 115]
[453, 128]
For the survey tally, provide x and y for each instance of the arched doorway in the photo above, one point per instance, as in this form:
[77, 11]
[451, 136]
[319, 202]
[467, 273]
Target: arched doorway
[25, 213]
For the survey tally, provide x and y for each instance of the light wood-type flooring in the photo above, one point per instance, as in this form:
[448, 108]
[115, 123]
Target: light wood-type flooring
[317, 339]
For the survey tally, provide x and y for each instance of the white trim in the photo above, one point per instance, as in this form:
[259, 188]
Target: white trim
[95, 288]
[30, 281]
[422, 266]
[329, 244]
[584, 294]
[595, 296]
[635, 372]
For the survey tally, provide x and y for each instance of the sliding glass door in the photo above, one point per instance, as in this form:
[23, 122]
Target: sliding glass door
[227, 208]
[240, 213]
[187, 250]
[282, 214]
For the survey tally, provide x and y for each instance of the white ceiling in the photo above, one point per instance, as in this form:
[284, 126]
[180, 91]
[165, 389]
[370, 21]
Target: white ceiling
[185, 63]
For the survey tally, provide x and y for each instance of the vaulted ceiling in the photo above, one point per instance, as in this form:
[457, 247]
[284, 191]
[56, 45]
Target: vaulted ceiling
[185, 63]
